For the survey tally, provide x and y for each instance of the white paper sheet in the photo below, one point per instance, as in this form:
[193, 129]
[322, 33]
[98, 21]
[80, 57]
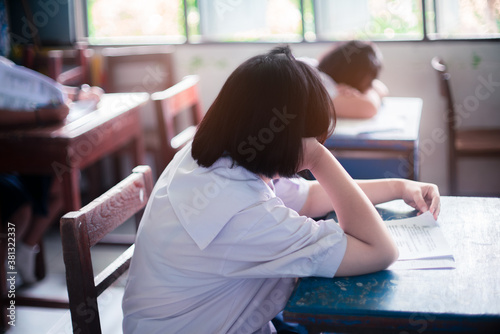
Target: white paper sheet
[421, 243]
[382, 122]
[423, 264]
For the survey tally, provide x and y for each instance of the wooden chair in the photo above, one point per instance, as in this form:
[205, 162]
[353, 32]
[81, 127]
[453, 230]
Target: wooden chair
[82, 229]
[79, 73]
[462, 143]
[137, 68]
[178, 113]
[147, 68]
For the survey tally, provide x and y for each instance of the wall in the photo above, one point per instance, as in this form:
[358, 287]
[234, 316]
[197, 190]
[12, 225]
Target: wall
[407, 72]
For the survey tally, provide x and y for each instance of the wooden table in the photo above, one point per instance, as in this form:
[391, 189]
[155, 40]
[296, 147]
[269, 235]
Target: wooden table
[85, 137]
[461, 300]
[383, 146]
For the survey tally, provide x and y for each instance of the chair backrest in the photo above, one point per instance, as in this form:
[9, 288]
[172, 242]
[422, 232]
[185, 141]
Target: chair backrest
[79, 73]
[445, 89]
[82, 229]
[171, 105]
[137, 69]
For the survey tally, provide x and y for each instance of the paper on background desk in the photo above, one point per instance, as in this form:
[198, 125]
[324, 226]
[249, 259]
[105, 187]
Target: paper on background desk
[381, 122]
[421, 243]
[80, 108]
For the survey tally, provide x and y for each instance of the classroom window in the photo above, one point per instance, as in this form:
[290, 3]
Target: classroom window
[249, 21]
[135, 21]
[463, 19]
[369, 19]
[200, 21]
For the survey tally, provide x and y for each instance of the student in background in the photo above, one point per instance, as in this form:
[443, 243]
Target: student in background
[227, 229]
[32, 202]
[31, 98]
[352, 71]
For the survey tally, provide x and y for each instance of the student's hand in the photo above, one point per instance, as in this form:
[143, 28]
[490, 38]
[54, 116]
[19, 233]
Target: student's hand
[91, 93]
[84, 92]
[379, 87]
[422, 196]
[312, 150]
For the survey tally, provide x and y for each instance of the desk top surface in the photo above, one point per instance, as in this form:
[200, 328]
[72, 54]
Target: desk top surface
[80, 118]
[397, 120]
[471, 227]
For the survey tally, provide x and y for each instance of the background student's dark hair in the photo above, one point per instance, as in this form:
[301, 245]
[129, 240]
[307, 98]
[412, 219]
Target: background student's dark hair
[350, 63]
[265, 108]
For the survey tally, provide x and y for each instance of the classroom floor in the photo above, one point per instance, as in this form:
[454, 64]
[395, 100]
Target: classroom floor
[39, 320]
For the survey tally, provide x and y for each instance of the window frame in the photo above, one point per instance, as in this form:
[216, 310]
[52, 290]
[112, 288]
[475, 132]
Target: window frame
[303, 40]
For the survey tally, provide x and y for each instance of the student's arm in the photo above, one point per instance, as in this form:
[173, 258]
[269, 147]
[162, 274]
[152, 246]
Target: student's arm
[369, 245]
[380, 88]
[351, 103]
[420, 195]
[84, 92]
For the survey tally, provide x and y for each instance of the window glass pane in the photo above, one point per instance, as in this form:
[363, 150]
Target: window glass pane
[369, 19]
[256, 20]
[193, 21]
[466, 19]
[430, 17]
[135, 21]
[309, 22]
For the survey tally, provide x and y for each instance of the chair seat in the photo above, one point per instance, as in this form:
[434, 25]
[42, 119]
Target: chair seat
[478, 141]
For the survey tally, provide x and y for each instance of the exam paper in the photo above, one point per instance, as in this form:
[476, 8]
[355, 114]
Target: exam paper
[379, 123]
[421, 243]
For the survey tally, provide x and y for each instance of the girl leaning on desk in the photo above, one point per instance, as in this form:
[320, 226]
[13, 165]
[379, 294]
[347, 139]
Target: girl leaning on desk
[32, 202]
[352, 69]
[228, 227]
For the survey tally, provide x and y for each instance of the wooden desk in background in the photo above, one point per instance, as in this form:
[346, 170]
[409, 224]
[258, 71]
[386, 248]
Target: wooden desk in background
[383, 146]
[85, 137]
[461, 300]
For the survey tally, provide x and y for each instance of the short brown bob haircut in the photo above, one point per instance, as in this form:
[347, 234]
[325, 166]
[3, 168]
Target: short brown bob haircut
[352, 62]
[265, 108]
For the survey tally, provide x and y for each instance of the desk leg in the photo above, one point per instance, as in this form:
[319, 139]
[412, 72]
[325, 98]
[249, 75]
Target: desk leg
[71, 186]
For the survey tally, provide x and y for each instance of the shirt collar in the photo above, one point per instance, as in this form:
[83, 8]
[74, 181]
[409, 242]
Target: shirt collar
[205, 199]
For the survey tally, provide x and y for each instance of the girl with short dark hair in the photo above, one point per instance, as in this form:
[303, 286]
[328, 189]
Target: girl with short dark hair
[228, 227]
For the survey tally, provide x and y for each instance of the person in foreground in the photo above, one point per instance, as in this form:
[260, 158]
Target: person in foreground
[350, 73]
[228, 227]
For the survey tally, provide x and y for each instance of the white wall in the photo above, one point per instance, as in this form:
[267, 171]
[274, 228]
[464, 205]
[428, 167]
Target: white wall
[407, 72]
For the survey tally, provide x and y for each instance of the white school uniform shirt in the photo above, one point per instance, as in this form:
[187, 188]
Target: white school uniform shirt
[23, 89]
[329, 84]
[218, 250]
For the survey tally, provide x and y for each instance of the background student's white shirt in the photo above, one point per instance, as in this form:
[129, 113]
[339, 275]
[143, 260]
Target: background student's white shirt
[329, 84]
[25, 89]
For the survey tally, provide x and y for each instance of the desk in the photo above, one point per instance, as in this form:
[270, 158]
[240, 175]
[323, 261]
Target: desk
[383, 146]
[64, 149]
[461, 300]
